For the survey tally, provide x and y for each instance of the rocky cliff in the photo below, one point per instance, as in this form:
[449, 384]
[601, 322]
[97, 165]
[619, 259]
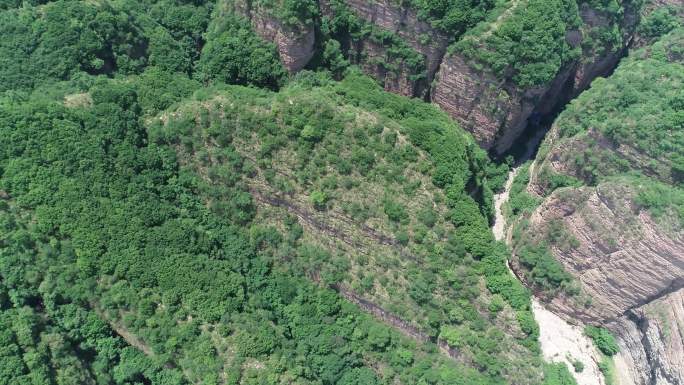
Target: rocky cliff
[295, 42]
[389, 42]
[496, 109]
[611, 212]
[408, 55]
[622, 257]
[652, 342]
[404, 22]
[629, 265]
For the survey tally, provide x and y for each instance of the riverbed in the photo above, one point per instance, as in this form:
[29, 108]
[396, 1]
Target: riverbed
[559, 340]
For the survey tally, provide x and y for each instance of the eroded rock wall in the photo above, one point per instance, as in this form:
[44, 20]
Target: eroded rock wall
[621, 255]
[404, 22]
[379, 59]
[630, 267]
[652, 342]
[296, 44]
[496, 110]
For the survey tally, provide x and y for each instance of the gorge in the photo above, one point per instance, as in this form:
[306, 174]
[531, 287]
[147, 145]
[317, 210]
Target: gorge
[507, 118]
[342, 192]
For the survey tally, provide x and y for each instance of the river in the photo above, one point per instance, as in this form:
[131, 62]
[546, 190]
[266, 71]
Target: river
[559, 340]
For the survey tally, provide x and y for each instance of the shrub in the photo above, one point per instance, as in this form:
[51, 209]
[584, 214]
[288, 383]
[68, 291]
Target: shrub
[557, 374]
[578, 366]
[603, 339]
[318, 199]
[395, 211]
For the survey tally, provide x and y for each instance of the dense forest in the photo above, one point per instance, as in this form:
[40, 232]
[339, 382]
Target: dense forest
[135, 248]
[177, 208]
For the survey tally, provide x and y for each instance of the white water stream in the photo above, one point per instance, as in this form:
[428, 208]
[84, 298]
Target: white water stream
[559, 340]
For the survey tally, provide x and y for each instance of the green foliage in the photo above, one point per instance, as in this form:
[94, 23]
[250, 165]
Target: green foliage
[558, 374]
[333, 59]
[544, 270]
[578, 366]
[497, 304]
[318, 199]
[640, 105]
[530, 42]
[607, 368]
[133, 235]
[661, 199]
[133, 211]
[235, 54]
[344, 29]
[453, 17]
[259, 340]
[293, 13]
[603, 340]
[395, 212]
[37, 47]
[359, 376]
[352, 121]
[660, 22]
[158, 89]
[519, 200]
[161, 229]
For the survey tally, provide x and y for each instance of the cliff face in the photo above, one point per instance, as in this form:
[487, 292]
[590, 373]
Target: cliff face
[630, 267]
[378, 59]
[373, 58]
[651, 341]
[404, 22]
[496, 110]
[606, 213]
[295, 43]
[622, 257]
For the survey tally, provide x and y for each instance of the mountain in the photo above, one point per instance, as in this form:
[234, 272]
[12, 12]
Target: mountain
[308, 192]
[604, 197]
[491, 66]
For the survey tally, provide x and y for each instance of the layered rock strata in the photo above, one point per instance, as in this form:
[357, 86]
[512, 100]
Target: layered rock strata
[296, 44]
[497, 110]
[493, 108]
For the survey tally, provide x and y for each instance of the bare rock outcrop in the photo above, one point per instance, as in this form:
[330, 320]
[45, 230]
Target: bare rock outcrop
[496, 110]
[404, 22]
[378, 59]
[651, 341]
[622, 256]
[295, 43]
[373, 59]
[630, 267]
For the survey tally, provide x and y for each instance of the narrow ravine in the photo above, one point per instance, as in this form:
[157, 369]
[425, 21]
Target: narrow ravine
[559, 340]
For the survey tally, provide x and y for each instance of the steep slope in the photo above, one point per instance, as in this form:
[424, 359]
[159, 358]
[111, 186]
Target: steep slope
[353, 178]
[528, 59]
[290, 28]
[658, 17]
[121, 263]
[604, 205]
[491, 66]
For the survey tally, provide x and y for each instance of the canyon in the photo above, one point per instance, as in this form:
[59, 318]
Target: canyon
[494, 108]
[342, 192]
[633, 276]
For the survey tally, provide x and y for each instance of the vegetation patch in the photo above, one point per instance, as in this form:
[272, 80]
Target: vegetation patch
[603, 339]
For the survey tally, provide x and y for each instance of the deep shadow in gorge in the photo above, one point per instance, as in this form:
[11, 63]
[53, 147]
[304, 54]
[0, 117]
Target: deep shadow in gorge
[526, 146]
